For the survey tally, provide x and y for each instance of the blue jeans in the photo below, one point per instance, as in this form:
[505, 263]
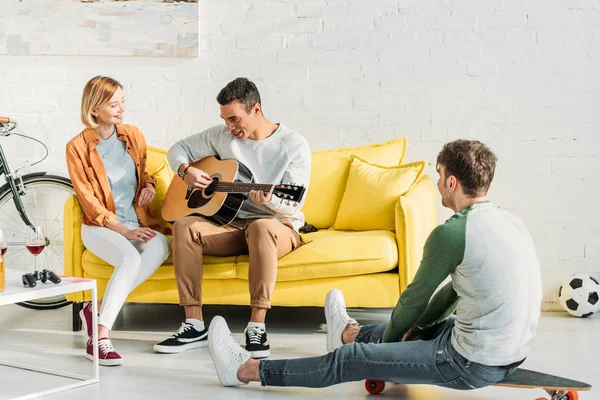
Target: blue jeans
[431, 360]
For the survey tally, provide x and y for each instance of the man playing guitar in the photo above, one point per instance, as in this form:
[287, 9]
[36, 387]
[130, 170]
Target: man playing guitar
[266, 228]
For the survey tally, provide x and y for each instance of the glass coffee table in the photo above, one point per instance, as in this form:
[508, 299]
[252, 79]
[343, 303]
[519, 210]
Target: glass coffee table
[15, 293]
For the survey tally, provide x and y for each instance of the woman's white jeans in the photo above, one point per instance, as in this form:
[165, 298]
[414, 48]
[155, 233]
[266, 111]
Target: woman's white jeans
[134, 262]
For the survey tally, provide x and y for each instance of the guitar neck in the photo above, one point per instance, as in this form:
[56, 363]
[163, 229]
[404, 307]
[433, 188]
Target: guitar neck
[240, 187]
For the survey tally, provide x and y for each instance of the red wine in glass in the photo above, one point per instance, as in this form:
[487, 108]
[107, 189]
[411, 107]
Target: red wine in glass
[3, 242]
[35, 243]
[35, 249]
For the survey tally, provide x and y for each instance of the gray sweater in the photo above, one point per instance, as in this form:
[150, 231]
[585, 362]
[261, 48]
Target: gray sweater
[283, 157]
[496, 286]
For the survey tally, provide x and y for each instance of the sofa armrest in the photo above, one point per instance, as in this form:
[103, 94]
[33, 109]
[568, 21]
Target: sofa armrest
[73, 245]
[416, 217]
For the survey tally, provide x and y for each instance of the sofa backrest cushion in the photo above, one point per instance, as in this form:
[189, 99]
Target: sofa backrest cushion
[329, 174]
[371, 194]
[157, 165]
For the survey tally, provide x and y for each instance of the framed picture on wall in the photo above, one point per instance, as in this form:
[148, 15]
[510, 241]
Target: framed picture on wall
[149, 28]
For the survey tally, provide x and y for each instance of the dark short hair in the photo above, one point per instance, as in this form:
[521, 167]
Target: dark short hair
[240, 89]
[471, 162]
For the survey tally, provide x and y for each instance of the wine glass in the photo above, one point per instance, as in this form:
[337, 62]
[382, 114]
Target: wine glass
[3, 243]
[35, 243]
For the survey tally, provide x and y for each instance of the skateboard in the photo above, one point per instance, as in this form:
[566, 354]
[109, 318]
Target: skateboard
[557, 387]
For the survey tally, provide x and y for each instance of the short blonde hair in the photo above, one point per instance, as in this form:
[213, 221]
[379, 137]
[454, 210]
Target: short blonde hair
[96, 93]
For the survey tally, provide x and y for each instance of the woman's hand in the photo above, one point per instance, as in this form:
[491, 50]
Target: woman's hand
[140, 234]
[260, 197]
[146, 195]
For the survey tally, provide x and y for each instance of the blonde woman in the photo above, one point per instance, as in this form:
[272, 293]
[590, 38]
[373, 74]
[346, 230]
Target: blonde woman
[107, 165]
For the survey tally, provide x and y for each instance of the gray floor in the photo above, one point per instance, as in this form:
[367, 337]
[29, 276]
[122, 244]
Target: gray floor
[565, 346]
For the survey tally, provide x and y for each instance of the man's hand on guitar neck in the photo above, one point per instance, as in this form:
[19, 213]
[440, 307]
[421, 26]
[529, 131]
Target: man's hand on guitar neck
[194, 177]
[260, 197]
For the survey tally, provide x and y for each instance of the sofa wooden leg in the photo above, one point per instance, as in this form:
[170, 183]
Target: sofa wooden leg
[76, 321]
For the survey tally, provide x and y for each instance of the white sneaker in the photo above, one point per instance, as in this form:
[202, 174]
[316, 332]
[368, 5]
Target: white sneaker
[227, 355]
[337, 319]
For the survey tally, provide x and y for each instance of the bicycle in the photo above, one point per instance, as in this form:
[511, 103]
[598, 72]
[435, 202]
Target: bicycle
[30, 200]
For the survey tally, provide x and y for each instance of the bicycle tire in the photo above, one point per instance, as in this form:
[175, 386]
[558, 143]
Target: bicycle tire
[30, 181]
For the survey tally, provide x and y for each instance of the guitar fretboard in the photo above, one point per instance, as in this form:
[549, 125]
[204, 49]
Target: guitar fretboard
[240, 187]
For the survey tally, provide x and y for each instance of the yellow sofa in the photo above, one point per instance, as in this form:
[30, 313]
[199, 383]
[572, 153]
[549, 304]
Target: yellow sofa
[371, 267]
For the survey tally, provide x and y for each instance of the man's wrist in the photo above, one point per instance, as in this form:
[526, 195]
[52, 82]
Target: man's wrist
[183, 169]
[184, 172]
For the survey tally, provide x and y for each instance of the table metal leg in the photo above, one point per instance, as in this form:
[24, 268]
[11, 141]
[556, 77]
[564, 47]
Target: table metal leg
[76, 320]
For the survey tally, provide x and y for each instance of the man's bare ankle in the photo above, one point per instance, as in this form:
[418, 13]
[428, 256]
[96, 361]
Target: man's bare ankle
[350, 333]
[248, 371]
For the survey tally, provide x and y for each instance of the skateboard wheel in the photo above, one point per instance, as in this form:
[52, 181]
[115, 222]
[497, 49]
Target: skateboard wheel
[572, 395]
[374, 386]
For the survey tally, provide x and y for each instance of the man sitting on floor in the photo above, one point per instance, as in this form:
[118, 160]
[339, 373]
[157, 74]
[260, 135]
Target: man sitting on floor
[495, 289]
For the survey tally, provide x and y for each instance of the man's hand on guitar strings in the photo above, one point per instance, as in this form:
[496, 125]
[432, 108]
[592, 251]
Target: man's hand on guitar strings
[197, 179]
[260, 197]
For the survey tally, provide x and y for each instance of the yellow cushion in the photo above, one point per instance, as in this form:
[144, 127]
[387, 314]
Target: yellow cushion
[329, 172]
[157, 166]
[154, 159]
[356, 253]
[163, 176]
[359, 253]
[372, 192]
[215, 267]
[100, 269]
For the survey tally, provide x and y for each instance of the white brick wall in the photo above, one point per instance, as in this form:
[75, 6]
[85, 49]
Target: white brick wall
[520, 76]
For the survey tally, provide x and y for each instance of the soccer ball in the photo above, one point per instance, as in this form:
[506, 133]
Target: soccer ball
[579, 295]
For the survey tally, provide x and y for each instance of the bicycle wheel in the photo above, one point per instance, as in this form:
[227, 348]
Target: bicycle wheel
[44, 200]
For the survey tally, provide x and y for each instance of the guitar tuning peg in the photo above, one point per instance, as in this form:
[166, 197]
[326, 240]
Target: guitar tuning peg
[287, 202]
[295, 204]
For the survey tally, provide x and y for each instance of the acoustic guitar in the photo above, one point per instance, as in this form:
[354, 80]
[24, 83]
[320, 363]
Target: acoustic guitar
[221, 201]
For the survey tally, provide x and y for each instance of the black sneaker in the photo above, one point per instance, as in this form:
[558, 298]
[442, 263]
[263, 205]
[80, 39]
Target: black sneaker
[186, 338]
[256, 342]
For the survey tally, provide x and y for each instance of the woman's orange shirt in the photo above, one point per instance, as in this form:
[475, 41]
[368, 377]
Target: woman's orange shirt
[90, 181]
